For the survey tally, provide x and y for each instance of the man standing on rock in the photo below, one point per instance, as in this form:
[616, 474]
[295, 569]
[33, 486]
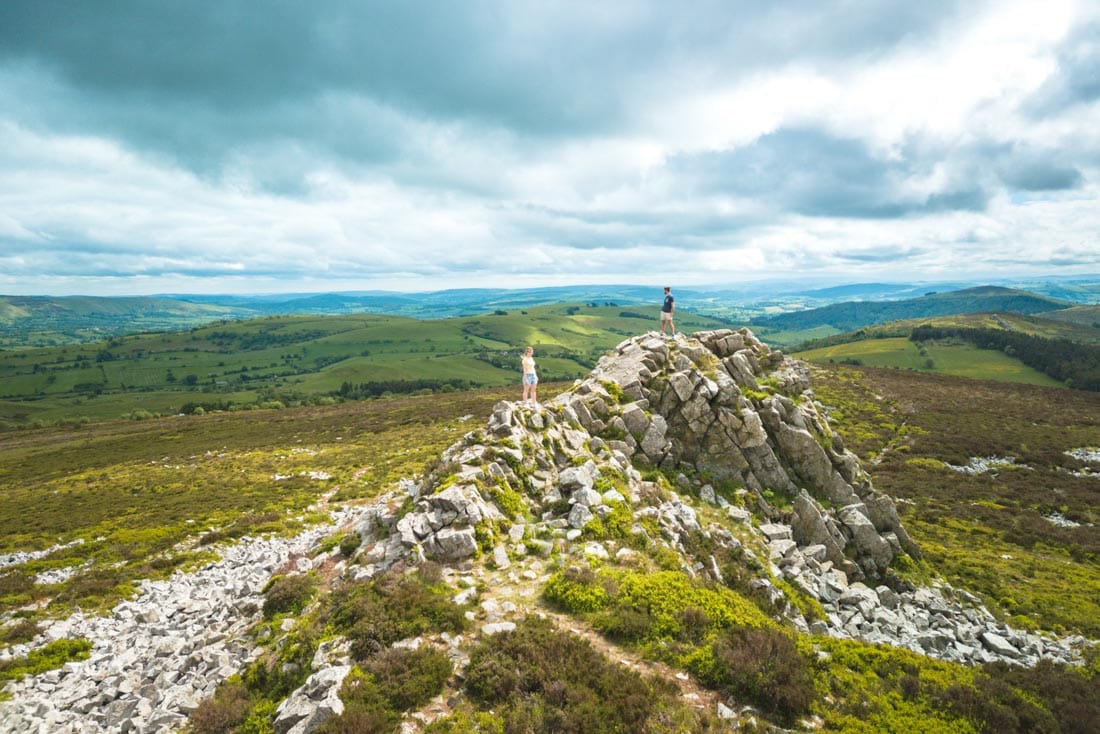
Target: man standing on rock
[667, 310]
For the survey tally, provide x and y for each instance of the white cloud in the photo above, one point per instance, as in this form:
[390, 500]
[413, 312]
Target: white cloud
[580, 143]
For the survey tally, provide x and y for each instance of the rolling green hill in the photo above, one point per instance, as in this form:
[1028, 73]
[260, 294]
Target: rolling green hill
[305, 359]
[958, 359]
[854, 315]
[43, 321]
[1081, 315]
[1006, 347]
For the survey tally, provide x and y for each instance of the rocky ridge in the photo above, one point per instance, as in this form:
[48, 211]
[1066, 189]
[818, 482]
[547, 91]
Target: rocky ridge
[731, 422]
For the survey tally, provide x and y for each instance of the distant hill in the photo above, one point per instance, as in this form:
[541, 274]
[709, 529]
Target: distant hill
[853, 315]
[1088, 316]
[983, 345]
[53, 321]
[303, 358]
[42, 321]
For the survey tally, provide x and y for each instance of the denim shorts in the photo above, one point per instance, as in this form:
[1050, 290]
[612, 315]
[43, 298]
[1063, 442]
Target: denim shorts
[531, 379]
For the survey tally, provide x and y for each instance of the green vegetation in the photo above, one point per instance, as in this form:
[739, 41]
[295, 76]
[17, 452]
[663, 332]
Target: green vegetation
[393, 681]
[288, 594]
[987, 533]
[376, 614]
[1076, 365]
[49, 657]
[945, 357]
[131, 493]
[539, 679]
[288, 361]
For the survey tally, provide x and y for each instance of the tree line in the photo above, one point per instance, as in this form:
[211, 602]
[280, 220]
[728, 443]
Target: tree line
[375, 388]
[1074, 363]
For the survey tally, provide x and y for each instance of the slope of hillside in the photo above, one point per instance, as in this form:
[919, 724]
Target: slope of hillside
[296, 359]
[39, 321]
[1087, 316]
[505, 585]
[854, 315]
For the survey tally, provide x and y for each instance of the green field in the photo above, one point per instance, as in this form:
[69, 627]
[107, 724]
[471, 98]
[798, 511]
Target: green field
[949, 358]
[292, 360]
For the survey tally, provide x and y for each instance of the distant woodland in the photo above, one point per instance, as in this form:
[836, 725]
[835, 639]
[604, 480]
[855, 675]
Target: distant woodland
[1074, 363]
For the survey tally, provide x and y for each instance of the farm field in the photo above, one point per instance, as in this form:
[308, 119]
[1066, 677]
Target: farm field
[944, 357]
[294, 360]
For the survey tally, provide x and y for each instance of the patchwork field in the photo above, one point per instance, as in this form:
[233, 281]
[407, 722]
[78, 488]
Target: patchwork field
[944, 357]
[295, 360]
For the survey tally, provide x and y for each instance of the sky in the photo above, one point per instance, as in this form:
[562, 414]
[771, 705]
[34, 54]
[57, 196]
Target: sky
[157, 146]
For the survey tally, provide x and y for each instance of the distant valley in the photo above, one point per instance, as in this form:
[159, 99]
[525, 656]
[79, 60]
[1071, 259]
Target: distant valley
[80, 359]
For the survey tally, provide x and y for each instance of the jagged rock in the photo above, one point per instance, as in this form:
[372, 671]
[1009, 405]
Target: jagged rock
[451, 544]
[587, 497]
[999, 645]
[313, 704]
[580, 516]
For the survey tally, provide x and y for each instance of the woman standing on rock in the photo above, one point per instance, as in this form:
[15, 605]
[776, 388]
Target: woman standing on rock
[530, 377]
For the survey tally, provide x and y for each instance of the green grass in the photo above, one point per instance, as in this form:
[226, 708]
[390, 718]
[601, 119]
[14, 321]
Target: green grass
[986, 533]
[301, 359]
[961, 360]
[133, 490]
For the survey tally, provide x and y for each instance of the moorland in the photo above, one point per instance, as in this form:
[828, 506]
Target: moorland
[133, 457]
[127, 500]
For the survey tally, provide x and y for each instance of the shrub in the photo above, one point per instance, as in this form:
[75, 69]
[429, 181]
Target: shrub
[48, 657]
[365, 709]
[22, 631]
[349, 543]
[663, 597]
[466, 721]
[224, 711]
[410, 678]
[576, 590]
[275, 675]
[1046, 698]
[539, 679]
[375, 614]
[761, 665]
[288, 594]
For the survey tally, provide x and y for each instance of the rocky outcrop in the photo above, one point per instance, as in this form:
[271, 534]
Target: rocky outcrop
[942, 622]
[725, 404]
[720, 403]
[733, 421]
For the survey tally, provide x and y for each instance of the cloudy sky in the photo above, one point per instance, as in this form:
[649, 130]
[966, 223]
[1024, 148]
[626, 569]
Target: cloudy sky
[159, 146]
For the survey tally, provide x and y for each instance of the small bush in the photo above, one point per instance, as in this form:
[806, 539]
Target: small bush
[49, 657]
[576, 590]
[22, 631]
[410, 678]
[288, 594]
[377, 613]
[224, 711]
[539, 679]
[762, 666]
[393, 681]
[365, 709]
[349, 543]
[274, 675]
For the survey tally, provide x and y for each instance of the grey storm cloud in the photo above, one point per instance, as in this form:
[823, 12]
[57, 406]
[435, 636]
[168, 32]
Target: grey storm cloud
[222, 137]
[1078, 79]
[198, 79]
[815, 173]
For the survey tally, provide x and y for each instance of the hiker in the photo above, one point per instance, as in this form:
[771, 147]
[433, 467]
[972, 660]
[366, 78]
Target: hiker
[667, 309]
[530, 377]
